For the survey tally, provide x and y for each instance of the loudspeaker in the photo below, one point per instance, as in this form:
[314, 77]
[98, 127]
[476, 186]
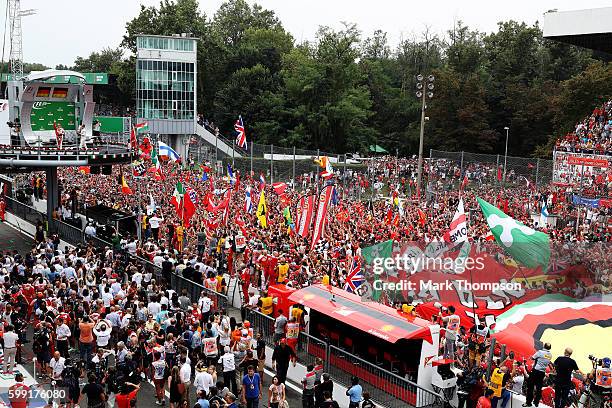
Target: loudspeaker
[107, 170]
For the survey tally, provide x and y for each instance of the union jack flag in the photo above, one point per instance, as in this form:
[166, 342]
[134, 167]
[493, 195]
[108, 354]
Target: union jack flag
[355, 278]
[241, 134]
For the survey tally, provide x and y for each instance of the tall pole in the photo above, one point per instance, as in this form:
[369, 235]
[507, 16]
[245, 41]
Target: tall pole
[420, 168]
[271, 164]
[293, 177]
[506, 155]
[251, 160]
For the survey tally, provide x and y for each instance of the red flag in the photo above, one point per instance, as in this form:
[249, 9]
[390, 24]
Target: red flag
[84, 169]
[499, 173]
[465, 182]
[133, 141]
[389, 216]
[279, 188]
[306, 208]
[422, 217]
[324, 200]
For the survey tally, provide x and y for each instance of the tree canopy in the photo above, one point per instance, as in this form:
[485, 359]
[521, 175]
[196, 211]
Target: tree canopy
[344, 90]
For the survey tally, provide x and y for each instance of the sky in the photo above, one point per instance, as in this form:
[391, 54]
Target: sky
[64, 29]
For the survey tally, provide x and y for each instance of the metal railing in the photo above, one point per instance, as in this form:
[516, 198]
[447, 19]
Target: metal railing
[483, 168]
[194, 290]
[386, 388]
[75, 236]
[262, 323]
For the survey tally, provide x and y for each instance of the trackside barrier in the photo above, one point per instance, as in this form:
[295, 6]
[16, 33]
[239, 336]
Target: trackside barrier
[262, 323]
[75, 236]
[386, 388]
[194, 289]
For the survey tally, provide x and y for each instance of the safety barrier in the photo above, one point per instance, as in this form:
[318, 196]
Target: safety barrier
[75, 236]
[194, 290]
[262, 323]
[386, 388]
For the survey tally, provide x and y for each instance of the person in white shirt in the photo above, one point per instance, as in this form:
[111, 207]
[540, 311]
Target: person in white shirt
[203, 380]
[185, 374]
[154, 307]
[57, 364]
[62, 332]
[229, 369]
[10, 349]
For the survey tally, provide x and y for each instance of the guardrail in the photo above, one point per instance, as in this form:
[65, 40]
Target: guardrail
[194, 289]
[387, 388]
[75, 236]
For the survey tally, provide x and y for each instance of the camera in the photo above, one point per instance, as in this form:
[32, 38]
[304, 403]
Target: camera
[595, 360]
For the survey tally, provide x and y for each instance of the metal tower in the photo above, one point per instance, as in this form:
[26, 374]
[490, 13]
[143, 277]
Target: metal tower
[16, 52]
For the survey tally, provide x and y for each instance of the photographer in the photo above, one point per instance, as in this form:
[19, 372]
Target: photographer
[95, 393]
[70, 380]
[602, 372]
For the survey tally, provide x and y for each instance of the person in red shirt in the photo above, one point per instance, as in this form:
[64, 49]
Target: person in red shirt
[485, 400]
[19, 393]
[128, 393]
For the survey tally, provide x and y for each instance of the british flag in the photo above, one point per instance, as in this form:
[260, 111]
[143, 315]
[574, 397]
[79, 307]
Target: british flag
[355, 278]
[241, 134]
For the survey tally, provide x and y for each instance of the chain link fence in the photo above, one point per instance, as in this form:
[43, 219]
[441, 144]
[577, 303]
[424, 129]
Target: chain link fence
[491, 170]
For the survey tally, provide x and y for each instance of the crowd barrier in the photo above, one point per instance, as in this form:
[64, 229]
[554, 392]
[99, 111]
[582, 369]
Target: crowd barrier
[385, 387]
[75, 236]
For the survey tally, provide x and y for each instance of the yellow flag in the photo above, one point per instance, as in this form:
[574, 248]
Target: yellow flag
[262, 210]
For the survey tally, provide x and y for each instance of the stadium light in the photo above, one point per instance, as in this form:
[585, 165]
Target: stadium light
[424, 89]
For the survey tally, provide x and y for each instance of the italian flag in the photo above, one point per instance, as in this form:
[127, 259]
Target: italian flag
[144, 126]
[156, 166]
[184, 202]
[177, 197]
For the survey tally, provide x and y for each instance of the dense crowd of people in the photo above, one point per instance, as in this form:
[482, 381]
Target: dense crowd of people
[592, 135]
[98, 314]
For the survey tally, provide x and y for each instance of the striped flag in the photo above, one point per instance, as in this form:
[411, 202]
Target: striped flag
[167, 152]
[305, 208]
[241, 141]
[142, 126]
[320, 219]
[458, 227]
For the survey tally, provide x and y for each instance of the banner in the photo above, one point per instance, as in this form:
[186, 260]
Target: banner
[587, 161]
[305, 210]
[210, 346]
[589, 202]
[319, 227]
[111, 124]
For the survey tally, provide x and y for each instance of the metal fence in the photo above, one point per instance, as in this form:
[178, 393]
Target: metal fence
[194, 290]
[262, 323]
[489, 169]
[75, 236]
[386, 388]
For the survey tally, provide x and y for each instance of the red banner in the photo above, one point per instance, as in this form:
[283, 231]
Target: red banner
[305, 210]
[324, 200]
[587, 161]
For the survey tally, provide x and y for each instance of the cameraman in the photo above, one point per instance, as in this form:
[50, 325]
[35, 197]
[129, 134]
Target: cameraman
[603, 379]
[70, 380]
